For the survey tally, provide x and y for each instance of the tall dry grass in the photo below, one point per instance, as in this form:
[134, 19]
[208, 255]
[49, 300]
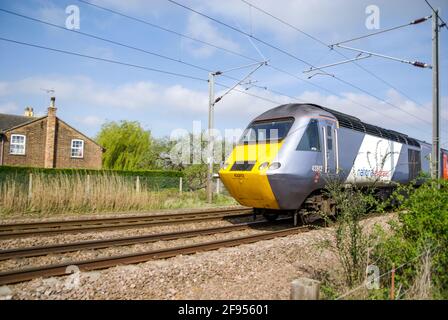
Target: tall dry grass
[62, 193]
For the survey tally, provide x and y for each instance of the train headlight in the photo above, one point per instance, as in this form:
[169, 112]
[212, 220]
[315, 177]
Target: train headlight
[275, 165]
[263, 166]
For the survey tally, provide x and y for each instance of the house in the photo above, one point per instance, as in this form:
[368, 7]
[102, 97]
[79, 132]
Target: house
[45, 142]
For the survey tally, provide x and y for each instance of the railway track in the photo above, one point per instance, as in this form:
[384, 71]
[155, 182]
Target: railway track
[26, 274]
[125, 241]
[15, 230]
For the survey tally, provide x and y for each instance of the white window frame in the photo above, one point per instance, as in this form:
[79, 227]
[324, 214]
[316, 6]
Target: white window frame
[11, 144]
[77, 148]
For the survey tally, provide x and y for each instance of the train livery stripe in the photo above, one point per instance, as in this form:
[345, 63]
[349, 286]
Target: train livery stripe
[377, 159]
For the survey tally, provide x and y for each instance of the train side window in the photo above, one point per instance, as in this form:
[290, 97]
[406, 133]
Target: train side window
[310, 139]
[414, 163]
[329, 139]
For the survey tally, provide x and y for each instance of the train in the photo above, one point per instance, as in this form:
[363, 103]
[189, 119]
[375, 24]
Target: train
[281, 162]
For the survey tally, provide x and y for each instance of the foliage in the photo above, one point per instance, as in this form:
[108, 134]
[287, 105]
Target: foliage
[127, 145]
[196, 176]
[422, 225]
[352, 204]
[16, 170]
[74, 193]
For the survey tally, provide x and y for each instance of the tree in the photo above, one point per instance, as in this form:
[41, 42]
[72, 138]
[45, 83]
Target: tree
[127, 145]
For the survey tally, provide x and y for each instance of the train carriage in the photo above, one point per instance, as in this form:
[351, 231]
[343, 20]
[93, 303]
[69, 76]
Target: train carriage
[284, 155]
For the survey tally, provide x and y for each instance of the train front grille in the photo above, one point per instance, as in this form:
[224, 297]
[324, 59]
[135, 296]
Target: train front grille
[243, 166]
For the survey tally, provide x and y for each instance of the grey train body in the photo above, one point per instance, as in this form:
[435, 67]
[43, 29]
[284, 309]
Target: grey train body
[359, 153]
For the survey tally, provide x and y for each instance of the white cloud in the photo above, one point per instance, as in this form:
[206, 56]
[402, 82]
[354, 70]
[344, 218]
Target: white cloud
[91, 121]
[188, 104]
[201, 28]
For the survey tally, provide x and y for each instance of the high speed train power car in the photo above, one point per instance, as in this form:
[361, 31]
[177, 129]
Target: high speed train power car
[284, 155]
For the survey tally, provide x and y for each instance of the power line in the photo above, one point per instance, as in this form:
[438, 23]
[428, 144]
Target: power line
[133, 66]
[434, 10]
[104, 59]
[240, 31]
[341, 54]
[119, 44]
[289, 54]
[102, 39]
[413, 22]
[168, 30]
[246, 57]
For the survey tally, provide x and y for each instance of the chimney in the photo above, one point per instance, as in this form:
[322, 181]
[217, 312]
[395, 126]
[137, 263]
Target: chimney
[29, 112]
[50, 139]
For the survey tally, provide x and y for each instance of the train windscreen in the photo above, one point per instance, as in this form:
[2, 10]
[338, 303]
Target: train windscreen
[267, 130]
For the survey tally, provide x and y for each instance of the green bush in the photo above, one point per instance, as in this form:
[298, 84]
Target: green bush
[153, 179]
[145, 173]
[422, 225]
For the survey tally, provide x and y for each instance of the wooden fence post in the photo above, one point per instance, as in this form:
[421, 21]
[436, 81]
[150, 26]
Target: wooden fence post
[137, 184]
[305, 289]
[30, 186]
[180, 185]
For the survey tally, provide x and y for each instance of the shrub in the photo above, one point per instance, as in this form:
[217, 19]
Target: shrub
[422, 226]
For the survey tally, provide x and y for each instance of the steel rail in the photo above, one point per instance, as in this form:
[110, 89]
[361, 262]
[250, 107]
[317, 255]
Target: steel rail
[124, 241]
[26, 274]
[70, 226]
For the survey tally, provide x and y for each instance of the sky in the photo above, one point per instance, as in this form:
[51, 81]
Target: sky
[90, 92]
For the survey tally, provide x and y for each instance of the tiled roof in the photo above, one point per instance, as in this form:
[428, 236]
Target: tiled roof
[8, 121]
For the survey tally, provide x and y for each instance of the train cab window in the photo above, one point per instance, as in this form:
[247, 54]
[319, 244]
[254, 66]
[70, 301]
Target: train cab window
[267, 130]
[310, 139]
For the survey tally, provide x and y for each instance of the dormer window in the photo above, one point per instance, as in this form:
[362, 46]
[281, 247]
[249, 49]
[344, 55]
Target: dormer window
[17, 145]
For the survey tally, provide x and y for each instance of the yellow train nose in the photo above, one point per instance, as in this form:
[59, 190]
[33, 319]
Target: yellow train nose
[245, 177]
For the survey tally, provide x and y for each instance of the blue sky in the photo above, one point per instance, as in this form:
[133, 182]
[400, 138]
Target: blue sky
[90, 92]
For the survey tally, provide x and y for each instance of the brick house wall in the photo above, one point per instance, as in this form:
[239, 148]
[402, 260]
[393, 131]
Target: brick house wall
[92, 152]
[48, 144]
[34, 146]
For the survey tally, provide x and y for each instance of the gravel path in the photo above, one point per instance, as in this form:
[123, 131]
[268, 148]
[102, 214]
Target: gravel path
[261, 270]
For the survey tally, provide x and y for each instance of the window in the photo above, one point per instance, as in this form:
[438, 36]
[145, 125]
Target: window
[267, 130]
[17, 145]
[329, 139]
[310, 139]
[414, 162]
[77, 150]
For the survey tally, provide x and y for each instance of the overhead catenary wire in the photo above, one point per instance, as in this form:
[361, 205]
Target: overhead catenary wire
[248, 58]
[341, 54]
[126, 64]
[103, 59]
[438, 15]
[156, 26]
[292, 56]
[416, 21]
[159, 55]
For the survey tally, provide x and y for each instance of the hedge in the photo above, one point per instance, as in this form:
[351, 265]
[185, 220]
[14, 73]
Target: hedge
[150, 178]
[141, 173]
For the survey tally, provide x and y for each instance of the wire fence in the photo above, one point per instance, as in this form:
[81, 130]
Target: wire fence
[387, 273]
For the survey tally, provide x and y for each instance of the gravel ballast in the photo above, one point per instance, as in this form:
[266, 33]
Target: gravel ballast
[262, 270]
